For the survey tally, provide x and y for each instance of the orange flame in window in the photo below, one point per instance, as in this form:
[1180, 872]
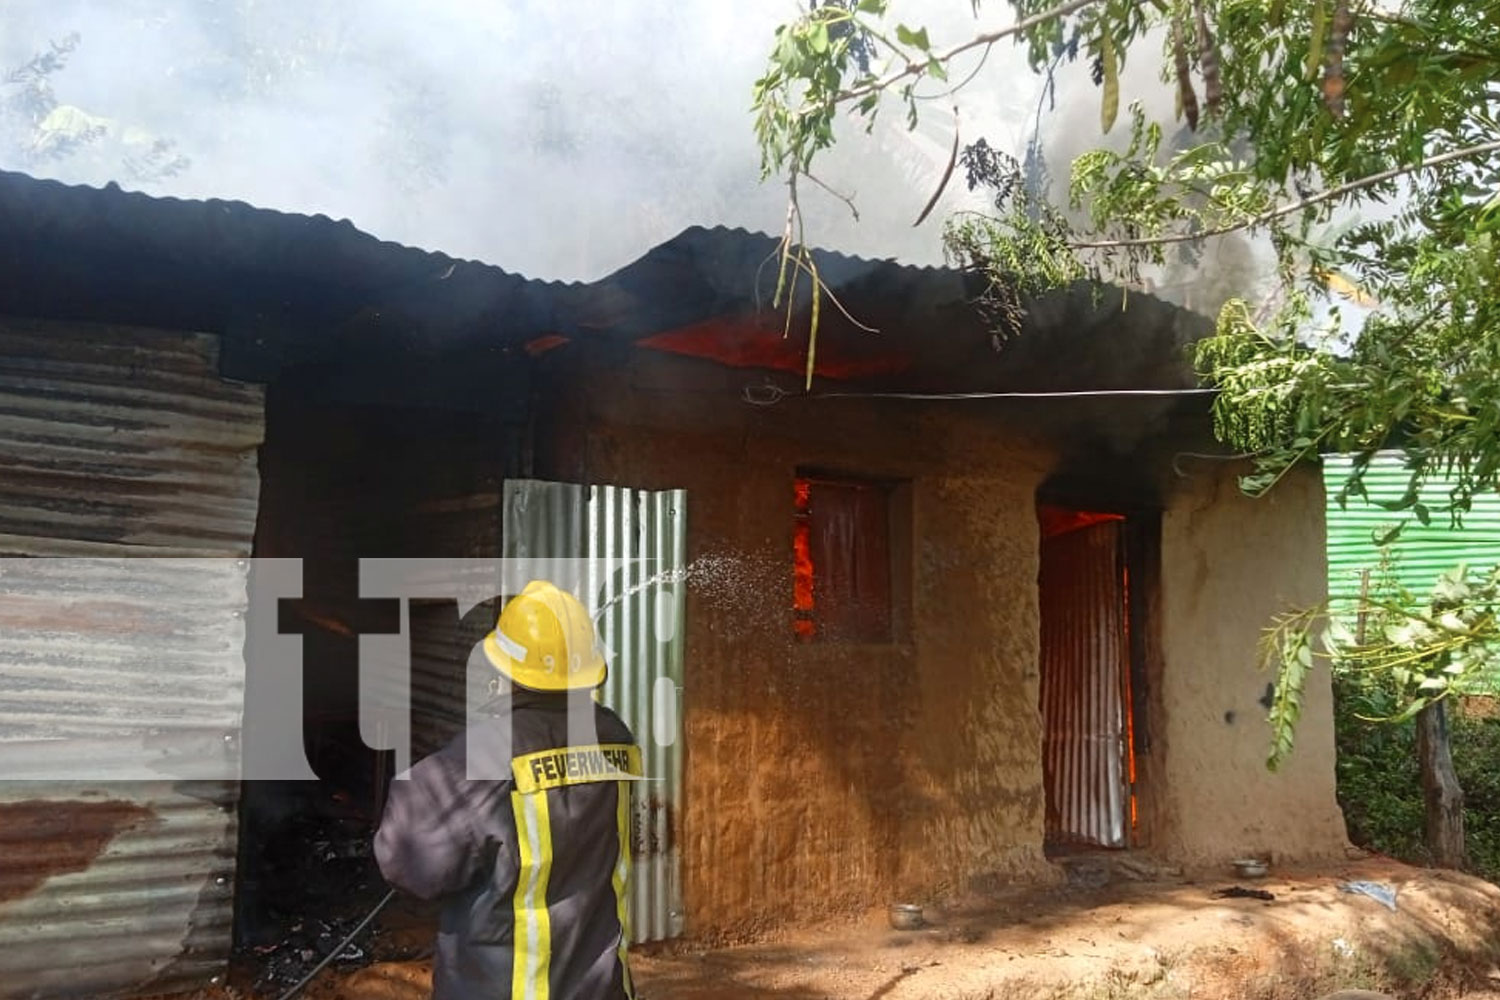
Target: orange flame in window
[802, 571]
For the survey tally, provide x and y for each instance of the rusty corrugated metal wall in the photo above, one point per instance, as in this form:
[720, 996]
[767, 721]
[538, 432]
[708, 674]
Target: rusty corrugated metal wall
[636, 545]
[119, 443]
[1084, 657]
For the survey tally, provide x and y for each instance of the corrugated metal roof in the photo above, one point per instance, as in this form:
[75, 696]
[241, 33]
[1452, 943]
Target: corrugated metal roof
[118, 445]
[1423, 552]
[708, 285]
[287, 289]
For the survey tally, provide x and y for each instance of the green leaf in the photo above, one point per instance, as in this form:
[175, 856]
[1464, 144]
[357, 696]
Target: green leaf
[916, 39]
[1406, 501]
[1287, 647]
[1109, 106]
[876, 7]
[1382, 539]
[819, 38]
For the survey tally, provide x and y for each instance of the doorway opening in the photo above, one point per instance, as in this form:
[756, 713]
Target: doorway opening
[1095, 588]
[349, 473]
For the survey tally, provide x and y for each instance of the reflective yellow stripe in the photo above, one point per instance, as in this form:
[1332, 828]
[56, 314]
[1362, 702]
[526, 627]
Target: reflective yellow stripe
[532, 957]
[622, 881]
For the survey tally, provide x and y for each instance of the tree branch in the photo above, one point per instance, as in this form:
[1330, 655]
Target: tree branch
[839, 195]
[1296, 206]
[988, 38]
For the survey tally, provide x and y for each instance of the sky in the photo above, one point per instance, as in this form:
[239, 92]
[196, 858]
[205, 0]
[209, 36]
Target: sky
[557, 140]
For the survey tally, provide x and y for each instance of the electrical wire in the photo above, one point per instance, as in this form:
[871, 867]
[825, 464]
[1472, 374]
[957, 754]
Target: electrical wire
[770, 394]
[1070, 394]
[1205, 456]
[339, 949]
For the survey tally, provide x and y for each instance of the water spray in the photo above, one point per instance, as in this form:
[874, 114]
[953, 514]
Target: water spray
[665, 576]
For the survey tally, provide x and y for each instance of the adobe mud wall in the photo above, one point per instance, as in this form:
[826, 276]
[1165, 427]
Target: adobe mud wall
[1229, 564]
[821, 777]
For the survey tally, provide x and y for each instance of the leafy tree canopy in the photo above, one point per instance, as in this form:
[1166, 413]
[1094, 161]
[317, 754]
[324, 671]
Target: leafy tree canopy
[1301, 112]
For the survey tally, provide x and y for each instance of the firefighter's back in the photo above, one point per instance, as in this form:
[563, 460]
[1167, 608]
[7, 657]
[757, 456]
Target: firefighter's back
[572, 852]
[521, 826]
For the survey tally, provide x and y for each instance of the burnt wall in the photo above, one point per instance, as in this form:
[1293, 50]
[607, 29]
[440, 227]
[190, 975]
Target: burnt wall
[826, 777]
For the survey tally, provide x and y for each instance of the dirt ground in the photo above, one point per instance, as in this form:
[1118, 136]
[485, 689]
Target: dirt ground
[1138, 934]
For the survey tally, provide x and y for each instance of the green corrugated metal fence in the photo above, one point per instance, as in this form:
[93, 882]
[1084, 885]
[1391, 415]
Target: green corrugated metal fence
[1422, 552]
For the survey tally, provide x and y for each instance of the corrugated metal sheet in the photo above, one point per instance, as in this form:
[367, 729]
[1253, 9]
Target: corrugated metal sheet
[1423, 552]
[123, 436]
[139, 894]
[119, 443]
[1083, 657]
[636, 543]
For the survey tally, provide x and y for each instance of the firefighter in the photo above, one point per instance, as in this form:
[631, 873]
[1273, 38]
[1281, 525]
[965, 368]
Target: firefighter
[521, 825]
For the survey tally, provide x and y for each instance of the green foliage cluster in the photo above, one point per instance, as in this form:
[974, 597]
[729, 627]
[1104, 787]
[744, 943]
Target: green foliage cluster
[815, 62]
[1294, 110]
[1412, 650]
[1379, 784]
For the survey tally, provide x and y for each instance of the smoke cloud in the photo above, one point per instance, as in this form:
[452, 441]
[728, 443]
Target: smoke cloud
[554, 140]
[557, 140]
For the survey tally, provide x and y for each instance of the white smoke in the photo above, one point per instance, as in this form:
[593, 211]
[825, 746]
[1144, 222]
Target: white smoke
[556, 140]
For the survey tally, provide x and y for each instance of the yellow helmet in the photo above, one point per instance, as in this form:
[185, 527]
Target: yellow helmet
[545, 641]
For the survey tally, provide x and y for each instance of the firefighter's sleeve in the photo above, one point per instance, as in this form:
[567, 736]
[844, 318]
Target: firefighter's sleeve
[426, 844]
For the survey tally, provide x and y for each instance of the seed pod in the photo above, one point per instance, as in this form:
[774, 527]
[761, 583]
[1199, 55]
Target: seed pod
[1109, 64]
[1208, 62]
[1333, 72]
[1187, 100]
[1315, 39]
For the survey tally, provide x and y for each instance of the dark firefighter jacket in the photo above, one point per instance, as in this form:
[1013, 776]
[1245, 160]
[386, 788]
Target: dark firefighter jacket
[521, 828]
